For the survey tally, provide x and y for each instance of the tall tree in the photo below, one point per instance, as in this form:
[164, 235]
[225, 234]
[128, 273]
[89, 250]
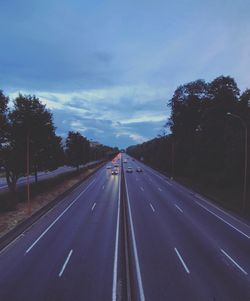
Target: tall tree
[50, 156]
[223, 98]
[3, 117]
[187, 105]
[3, 124]
[31, 131]
[77, 149]
[207, 144]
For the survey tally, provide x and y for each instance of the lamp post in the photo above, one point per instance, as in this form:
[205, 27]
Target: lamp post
[245, 164]
[28, 167]
[28, 171]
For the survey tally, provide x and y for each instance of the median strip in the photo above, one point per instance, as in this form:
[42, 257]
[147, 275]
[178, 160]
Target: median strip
[137, 264]
[115, 270]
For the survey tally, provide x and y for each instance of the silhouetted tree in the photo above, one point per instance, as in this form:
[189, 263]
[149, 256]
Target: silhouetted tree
[205, 143]
[187, 105]
[3, 124]
[3, 117]
[31, 126]
[77, 149]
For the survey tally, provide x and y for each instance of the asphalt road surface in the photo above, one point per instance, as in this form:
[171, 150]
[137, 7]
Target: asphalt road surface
[70, 253]
[185, 247]
[182, 246]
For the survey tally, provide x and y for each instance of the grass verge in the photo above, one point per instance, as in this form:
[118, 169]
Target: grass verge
[42, 194]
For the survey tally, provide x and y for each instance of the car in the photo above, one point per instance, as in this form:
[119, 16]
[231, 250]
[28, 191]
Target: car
[116, 165]
[138, 169]
[129, 169]
[108, 167]
[125, 161]
[114, 172]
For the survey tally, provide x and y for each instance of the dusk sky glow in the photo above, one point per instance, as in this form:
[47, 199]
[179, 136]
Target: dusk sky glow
[108, 68]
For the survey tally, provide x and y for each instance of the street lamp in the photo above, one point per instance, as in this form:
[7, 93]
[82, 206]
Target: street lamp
[245, 167]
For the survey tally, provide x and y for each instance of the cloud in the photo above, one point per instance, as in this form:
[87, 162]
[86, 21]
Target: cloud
[108, 69]
[134, 136]
[131, 114]
[114, 116]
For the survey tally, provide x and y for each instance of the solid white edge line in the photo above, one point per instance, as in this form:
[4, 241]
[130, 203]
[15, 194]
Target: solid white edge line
[234, 262]
[152, 207]
[114, 288]
[183, 188]
[142, 189]
[159, 189]
[244, 234]
[199, 197]
[93, 207]
[65, 263]
[138, 272]
[182, 261]
[11, 243]
[179, 208]
[52, 224]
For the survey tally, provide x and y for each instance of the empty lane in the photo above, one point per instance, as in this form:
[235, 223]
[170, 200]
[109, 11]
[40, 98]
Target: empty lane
[180, 244]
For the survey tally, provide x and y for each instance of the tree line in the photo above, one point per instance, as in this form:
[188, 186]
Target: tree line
[27, 136]
[206, 139]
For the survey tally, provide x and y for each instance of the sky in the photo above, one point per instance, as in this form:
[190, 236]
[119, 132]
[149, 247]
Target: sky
[108, 68]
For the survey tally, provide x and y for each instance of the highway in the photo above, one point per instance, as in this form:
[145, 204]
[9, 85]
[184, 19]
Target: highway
[70, 253]
[185, 247]
[182, 247]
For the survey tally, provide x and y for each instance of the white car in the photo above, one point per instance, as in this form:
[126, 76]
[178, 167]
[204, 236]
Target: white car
[129, 169]
[108, 167]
